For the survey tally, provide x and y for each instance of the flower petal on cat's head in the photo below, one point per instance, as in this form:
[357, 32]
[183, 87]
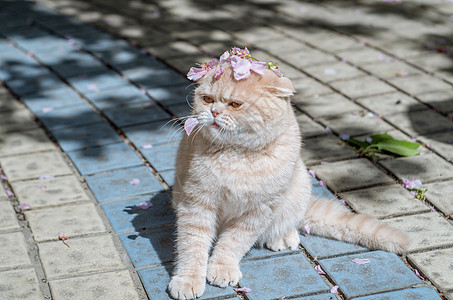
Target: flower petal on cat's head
[196, 73]
[258, 67]
[241, 67]
[282, 88]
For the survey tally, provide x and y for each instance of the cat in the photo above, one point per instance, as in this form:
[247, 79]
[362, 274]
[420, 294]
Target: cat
[240, 181]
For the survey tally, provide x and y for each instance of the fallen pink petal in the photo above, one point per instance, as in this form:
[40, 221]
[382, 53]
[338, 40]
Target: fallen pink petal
[135, 181]
[92, 87]
[312, 173]
[307, 228]
[190, 124]
[322, 183]
[410, 183]
[24, 206]
[334, 289]
[47, 109]
[45, 176]
[320, 270]
[418, 274]
[361, 261]
[147, 146]
[10, 193]
[145, 205]
[3, 177]
[243, 289]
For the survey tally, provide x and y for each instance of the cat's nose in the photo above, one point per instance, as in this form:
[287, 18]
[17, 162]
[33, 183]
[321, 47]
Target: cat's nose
[215, 113]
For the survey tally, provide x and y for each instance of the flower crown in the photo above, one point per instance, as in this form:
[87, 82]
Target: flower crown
[241, 61]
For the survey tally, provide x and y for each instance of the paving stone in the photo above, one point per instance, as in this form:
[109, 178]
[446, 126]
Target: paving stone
[384, 201]
[319, 191]
[73, 220]
[436, 265]
[440, 100]
[122, 96]
[13, 253]
[432, 62]
[420, 122]
[180, 110]
[323, 248]
[90, 254]
[21, 142]
[328, 296]
[413, 293]
[392, 103]
[312, 57]
[173, 49]
[356, 123]
[52, 99]
[20, 284]
[162, 157]
[154, 133]
[362, 87]
[8, 218]
[26, 85]
[425, 167]
[384, 272]
[256, 34]
[428, 230]
[16, 121]
[156, 281]
[391, 69]
[98, 286]
[151, 247]
[307, 87]
[308, 127]
[68, 117]
[436, 194]
[127, 215]
[325, 148]
[183, 64]
[290, 72]
[104, 158]
[415, 85]
[96, 82]
[334, 72]
[116, 184]
[78, 63]
[136, 113]
[269, 278]
[86, 136]
[442, 143]
[51, 191]
[169, 177]
[405, 48]
[179, 94]
[8, 102]
[29, 166]
[150, 77]
[325, 105]
[351, 174]
[258, 253]
[363, 55]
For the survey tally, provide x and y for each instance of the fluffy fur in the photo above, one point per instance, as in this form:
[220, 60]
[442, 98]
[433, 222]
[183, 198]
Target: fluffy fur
[240, 180]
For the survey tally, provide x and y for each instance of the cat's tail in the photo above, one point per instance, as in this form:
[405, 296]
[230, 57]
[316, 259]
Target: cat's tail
[330, 219]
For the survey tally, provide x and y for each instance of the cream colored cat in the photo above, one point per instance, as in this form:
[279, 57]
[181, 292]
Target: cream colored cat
[240, 181]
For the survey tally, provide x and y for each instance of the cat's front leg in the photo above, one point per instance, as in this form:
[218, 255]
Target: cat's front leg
[233, 244]
[195, 232]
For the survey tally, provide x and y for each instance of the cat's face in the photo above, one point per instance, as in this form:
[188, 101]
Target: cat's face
[248, 113]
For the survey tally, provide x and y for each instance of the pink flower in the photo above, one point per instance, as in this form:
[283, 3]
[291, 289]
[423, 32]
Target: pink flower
[410, 183]
[320, 270]
[218, 72]
[225, 56]
[258, 67]
[196, 74]
[243, 289]
[190, 124]
[241, 67]
[145, 205]
[134, 181]
[334, 289]
[312, 173]
[307, 228]
[361, 261]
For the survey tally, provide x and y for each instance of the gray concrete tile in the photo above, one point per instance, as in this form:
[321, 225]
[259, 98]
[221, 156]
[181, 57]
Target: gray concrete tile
[308, 127]
[334, 72]
[442, 143]
[97, 286]
[52, 191]
[72, 220]
[325, 148]
[8, 102]
[384, 201]
[362, 87]
[327, 105]
[351, 174]
[420, 122]
[8, 218]
[363, 55]
[438, 194]
[91, 254]
[311, 57]
[437, 265]
[13, 253]
[387, 104]
[306, 87]
[20, 284]
[30, 166]
[441, 100]
[424, 167]
[356, 123]
[20, 121]
[14, 143]
[391, 69]
[432, 62]
[428, 230]
[415, 85]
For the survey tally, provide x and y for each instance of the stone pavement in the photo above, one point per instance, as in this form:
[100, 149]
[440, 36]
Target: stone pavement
[91, 140]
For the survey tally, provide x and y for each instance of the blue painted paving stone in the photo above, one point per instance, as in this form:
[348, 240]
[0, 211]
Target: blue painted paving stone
[180, 110]
[152, 78]
[179, 94]
[162, 157]
[260, 253]
[385, 272]
[77, 64]
[97, 82]
[47, 99]
[127, 215]
[150, 247]
[155, 133]
[117, 184]
[319, 191]
[169, 177]
[136, 113]
[86, 136]
[104, 158]
[415, 293]
[26, 85]
[156, 281]
[329, 296]
[17, 67]
[129, 59]
[64, 117]
[122, 96]
[321, 247]
[290, 275]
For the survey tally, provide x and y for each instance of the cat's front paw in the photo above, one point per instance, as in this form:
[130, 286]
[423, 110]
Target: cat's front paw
[223, 275]
[185, 287]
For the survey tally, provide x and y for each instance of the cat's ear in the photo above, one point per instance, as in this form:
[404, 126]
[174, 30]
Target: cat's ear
[282, 88]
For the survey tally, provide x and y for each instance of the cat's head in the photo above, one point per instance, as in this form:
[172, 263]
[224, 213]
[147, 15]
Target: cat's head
[249, 113]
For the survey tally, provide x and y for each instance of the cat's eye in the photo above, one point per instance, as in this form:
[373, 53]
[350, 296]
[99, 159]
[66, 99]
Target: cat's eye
[208, 99]
[235, 104]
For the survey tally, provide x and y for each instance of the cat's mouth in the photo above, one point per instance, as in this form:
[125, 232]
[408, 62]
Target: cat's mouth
[215, 125]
